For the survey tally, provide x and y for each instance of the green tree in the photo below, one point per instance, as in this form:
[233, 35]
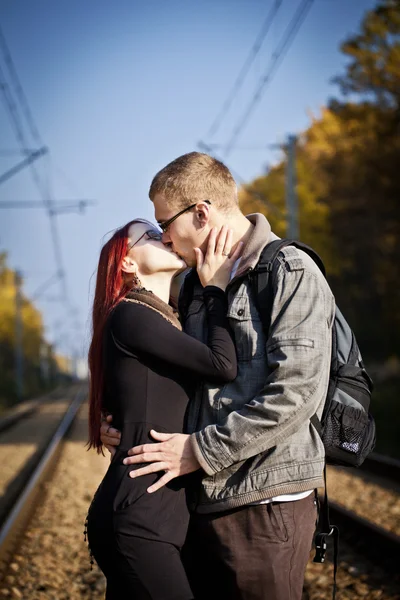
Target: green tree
[374, 68]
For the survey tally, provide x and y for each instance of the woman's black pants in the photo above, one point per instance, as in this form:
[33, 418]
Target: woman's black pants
[136, 567]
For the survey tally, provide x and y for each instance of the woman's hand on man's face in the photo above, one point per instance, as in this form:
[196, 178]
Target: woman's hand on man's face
[215, 267]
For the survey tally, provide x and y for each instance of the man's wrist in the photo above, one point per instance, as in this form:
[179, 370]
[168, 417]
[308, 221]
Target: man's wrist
[203, 464]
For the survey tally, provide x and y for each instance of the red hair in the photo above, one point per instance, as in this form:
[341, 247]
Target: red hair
[111, 288]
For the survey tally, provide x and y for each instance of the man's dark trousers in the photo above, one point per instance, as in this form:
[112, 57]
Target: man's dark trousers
[256, 552]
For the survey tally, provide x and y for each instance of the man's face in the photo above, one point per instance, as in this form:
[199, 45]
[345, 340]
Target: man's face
[185, 233]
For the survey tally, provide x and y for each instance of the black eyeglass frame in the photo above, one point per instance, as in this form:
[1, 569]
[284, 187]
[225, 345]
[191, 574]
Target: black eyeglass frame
[165, 224]
[152, 234]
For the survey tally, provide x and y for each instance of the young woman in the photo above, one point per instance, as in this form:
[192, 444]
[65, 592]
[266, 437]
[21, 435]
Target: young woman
[143, 369]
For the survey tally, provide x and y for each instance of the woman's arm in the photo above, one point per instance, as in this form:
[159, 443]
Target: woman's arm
[141, 331]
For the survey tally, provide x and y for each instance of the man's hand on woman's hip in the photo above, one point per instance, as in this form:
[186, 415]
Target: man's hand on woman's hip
[173, 455]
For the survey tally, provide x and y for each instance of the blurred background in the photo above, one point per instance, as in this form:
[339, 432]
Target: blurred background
[301, 100]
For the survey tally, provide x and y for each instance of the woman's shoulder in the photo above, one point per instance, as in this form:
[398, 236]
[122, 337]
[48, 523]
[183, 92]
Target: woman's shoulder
[128, 320]
[125, 308]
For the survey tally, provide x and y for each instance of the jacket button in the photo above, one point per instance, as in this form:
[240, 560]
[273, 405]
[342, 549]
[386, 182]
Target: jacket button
[241, 312]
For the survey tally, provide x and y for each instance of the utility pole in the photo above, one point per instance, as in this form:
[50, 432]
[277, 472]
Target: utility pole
[19, 351]
[291, 196]
[44, 362]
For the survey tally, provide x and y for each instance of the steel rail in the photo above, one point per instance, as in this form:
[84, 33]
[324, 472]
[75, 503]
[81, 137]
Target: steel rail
[25, 409]
[384, 466]
[370, 540]
[19, 516]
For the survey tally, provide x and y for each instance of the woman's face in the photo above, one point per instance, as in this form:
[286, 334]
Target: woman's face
[149, 253]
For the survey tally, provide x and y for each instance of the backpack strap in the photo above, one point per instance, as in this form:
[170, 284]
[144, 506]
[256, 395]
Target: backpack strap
[260, 281]
[326, 530]
[260, 276]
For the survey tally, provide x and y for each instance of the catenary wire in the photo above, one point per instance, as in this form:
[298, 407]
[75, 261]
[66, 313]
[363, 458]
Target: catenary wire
[245, 68]
[276, 59]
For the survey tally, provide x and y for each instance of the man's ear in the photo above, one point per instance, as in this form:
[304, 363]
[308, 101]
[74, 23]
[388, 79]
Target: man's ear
[128, 265]
[203, 213]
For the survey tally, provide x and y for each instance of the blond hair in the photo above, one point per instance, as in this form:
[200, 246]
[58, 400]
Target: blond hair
[195, 177]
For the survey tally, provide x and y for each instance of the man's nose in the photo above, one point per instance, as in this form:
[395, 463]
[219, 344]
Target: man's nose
[165, 238]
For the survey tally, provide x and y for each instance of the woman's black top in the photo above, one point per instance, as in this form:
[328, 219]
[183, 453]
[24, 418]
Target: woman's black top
[151, 370]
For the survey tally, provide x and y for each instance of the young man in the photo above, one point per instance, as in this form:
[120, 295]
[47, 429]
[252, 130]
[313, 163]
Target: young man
[258, 460]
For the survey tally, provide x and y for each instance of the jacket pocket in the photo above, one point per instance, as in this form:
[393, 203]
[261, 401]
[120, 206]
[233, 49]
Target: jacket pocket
[290, 341]
[247, 328]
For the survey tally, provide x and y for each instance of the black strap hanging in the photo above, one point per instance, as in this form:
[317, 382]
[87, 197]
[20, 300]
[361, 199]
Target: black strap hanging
[327, 530]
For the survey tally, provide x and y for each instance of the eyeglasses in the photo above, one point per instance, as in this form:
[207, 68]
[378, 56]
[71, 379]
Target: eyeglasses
[151, 234]
[165, 224]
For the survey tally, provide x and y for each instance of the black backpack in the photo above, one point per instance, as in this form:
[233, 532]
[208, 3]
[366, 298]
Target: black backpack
[346, 427]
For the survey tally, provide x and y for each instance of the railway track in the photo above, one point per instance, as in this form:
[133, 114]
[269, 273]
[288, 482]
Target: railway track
[25, 409]
[53, 563]
[373, 541]
[23, 499]
[384, 466]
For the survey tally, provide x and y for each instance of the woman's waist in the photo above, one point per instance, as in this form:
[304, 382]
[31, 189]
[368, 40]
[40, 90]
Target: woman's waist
[136, 433]
[117, 471]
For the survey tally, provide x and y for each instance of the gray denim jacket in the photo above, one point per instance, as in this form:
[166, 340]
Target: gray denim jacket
[253, 436]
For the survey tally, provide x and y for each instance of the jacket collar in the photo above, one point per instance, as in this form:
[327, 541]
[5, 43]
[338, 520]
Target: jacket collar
[260, 237]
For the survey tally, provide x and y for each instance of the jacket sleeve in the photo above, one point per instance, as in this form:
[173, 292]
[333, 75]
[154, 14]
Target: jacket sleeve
[138, 330]
[298, 355]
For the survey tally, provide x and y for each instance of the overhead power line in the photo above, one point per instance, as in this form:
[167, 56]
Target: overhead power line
[34, 155]
[10, 152]
[246, 67]
[16, 121]
[277, 57]
[18, 107]
[19, 91]
[48, 283]
[62, 206]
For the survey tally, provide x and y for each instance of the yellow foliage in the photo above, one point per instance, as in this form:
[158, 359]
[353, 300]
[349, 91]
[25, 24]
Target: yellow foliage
[63, 363]
[32, 323]
[266, 194]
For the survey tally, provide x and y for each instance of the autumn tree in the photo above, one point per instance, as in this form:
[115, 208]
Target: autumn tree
[33, 341]
[348, 184]
[373, 72]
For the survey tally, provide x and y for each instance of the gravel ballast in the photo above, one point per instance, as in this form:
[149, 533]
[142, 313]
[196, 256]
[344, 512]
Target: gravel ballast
[53, 563]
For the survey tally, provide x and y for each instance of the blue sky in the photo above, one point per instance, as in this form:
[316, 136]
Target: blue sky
[119, 89]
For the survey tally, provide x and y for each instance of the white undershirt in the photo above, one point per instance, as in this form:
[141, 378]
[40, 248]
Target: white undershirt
[283, 497]
[235, 268]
